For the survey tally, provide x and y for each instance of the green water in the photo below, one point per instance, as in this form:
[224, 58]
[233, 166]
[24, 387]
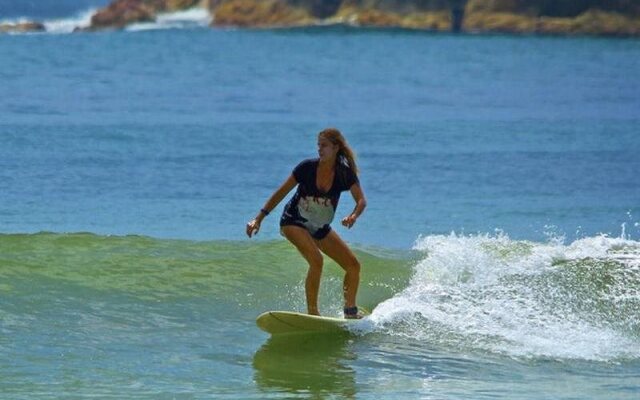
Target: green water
[137, 317]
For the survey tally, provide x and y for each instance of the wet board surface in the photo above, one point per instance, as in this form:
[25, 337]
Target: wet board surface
[280, 322]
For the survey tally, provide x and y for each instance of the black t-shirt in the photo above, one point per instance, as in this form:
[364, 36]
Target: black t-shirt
[311, 207]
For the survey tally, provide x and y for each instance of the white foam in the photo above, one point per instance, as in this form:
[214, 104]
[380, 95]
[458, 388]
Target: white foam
[496, 294]
[68, 25]
[197, 17]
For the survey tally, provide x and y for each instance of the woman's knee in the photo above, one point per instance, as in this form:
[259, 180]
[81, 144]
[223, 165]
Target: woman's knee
[303, 241]
[315, 261]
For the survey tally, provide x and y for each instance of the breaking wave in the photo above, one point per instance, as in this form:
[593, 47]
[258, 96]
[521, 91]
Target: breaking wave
[520, 298]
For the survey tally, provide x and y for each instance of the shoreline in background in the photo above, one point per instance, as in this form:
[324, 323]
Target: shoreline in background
[471, 17]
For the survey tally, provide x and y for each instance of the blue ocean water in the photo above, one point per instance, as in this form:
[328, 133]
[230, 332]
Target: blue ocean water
[500, 247]
[184, 133]
[45, 9]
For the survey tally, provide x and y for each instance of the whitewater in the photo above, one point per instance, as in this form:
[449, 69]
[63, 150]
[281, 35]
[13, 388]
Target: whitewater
[186, 19]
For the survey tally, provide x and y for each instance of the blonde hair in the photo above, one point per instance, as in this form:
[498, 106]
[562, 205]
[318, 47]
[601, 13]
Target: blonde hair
[336, 137]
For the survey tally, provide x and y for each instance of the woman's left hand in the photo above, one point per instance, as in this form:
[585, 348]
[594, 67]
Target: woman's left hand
[349, 221]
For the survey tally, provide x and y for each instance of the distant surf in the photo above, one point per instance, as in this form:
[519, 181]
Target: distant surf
[185, 19]
[80, 20]
[192, 18]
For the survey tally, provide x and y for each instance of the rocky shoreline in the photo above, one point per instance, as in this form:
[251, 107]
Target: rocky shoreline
[22, 27]
[563, 17]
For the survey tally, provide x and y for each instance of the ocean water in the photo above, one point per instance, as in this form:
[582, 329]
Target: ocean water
[500, 247]
[46, 9]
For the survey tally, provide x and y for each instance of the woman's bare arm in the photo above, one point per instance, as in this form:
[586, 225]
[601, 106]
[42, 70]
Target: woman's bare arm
[361, 204]
[254, 226]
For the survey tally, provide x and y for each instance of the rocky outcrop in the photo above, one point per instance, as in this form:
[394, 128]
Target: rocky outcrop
[555, 18]
[22, 27]
[355, 14]
[369, 13]
[561, 17]
[599, 17]
[257, 14]
[318, 8]
[555, 8]
[121, 13]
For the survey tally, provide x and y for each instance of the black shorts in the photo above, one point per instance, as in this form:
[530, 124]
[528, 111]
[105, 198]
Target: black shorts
[316, 234]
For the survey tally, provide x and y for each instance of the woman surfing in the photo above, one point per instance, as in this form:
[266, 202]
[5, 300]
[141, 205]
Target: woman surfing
[306, 219]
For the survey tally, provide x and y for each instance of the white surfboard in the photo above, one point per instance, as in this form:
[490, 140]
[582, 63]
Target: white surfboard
[279, 322]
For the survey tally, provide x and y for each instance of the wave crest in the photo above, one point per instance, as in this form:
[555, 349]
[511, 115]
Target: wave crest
[521, 298]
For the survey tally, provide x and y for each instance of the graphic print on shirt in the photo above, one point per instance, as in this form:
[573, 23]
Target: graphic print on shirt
[311, 208]
[318, 211]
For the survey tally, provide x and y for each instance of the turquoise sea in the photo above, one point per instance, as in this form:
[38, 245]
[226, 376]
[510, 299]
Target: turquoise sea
[500, 248]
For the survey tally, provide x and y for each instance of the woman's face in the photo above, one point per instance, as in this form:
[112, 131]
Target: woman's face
[326, 149]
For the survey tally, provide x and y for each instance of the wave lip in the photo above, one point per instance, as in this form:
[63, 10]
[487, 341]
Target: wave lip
[522, 299]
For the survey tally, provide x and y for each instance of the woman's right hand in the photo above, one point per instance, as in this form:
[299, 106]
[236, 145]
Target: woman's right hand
[253, 227]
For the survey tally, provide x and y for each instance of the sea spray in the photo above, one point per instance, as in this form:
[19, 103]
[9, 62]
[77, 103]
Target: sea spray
[521, 298]
[185, 19]
[191, 18]
[80, 20]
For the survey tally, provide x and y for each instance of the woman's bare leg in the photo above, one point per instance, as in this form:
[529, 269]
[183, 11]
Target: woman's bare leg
[308, 247]
[333, 246]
